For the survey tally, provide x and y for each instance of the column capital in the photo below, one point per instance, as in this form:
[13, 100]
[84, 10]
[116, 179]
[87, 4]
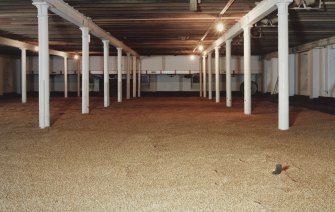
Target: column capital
[128, 54]
[105, 42]
[282, 6]
[23, 49]
[84, 29]
[42, 7]
[204, 56]
[228, 41]
[119, 49]
[217, 48]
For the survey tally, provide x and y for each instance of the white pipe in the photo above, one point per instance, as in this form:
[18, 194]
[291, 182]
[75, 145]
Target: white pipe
[247, 71]
[134, 76]
[139, 78]
[204, 75]
[119, 74]
[283, 69]
[43, 61]
[217, 75]
[228, 73]
[210, 88]
[24, 75]
[128, 75]
[85, 70]
[65, 78]
[106, 73]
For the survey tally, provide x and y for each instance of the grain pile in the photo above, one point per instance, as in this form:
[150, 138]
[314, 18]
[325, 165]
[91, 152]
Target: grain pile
[164, 154]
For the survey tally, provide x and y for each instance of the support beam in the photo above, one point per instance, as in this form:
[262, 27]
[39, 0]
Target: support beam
[283, 69]
[119, 74]
[217, 75]
[262, 9]
[139, 78]
[128, 75]
[24, 75]
[228, 73]
[85, 69]
[247, 71]
[70, 14]
[134, 76]
[106, 73]
[43, 64]
[210, 88]
[65, 78]
[204, 76]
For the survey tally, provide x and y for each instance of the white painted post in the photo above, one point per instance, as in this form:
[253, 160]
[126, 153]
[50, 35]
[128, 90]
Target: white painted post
[106, 73]
[43, 61]
[217, 75]
[247, 71]
[283, 72]
[200, 78]
[85, 69]
[204, 75]
[24, 75]
[139, 78]
[119, 74]
[128, 75]
[78, 78]
[228, 73]
[65, 78]
[210, 88]
[134, 76]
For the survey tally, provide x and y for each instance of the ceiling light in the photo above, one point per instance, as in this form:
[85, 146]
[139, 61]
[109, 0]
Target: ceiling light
[36, 48]
[219, 27]
[192, 57]
[76, 57]
[201, 47]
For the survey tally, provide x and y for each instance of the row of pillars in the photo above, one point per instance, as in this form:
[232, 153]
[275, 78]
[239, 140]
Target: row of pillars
[283, 70]
[44, 91]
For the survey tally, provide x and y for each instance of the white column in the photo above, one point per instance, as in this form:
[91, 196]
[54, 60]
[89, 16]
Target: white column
[139, 78]
[65, 78]
[247, 71]
[106, 73]
[128, 75]
[217, 75]
[134, 76]
[283, 71]
[228, 73]
[119, 74]
[85, 69]
[210, 90]
[78, 78]
[200, 78]
[43, 64]
[24, 75]
[204, 75]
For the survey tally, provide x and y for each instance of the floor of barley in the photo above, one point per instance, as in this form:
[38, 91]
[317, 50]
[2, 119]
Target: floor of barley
[164, 154]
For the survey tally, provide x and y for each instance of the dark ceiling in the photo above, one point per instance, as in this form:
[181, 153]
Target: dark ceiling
[161, 27]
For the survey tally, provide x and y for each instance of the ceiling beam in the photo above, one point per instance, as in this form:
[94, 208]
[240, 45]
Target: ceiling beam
[31, 47]
[67, 12]
[262, 9]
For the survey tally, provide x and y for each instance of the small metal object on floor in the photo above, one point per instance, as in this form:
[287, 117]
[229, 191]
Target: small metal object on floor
[278, 169]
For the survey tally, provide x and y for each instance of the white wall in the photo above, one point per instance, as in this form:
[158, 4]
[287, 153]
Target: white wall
[312, 72]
